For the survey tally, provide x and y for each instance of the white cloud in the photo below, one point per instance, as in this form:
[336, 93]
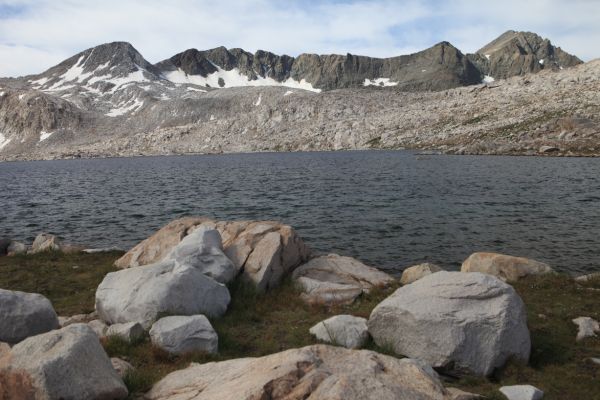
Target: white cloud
[48, 31]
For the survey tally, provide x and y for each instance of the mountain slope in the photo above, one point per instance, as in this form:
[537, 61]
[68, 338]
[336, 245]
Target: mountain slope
[109, 100]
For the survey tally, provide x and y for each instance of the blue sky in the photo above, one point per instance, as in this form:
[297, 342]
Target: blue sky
[36, 34]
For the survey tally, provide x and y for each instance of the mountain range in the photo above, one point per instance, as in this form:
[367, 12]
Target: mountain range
[109, 100]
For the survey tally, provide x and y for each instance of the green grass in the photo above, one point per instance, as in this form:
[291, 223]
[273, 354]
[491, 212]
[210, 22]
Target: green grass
[52, 274]
[256, 325]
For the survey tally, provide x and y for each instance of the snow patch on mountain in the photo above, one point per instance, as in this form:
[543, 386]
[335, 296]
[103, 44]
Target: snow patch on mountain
[233, 78]
[488, 79]
[379, 82]
[4, 141]
[125, 108]
[45, 135]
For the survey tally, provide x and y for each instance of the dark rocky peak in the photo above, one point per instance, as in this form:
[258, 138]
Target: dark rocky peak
[518, 53]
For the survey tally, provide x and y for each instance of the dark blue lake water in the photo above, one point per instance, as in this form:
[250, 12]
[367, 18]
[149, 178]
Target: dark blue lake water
[388, 208]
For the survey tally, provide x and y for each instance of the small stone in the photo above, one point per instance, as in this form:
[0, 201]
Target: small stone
[343, 330]
[121, 366]
[184, 334]
[129, 331]
[416, 272]
[45, 242]
[15, 248]
[588, 327]
[99, 327]
[522, 392]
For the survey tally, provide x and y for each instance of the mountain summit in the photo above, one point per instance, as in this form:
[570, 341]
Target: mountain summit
[517, 53]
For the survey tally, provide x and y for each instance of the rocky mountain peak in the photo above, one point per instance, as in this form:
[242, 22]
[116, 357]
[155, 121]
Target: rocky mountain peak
[517, 53]
[101, 68]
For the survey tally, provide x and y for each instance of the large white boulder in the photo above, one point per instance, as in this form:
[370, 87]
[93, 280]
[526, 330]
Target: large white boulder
[263, 251]
[522, 392]
[203, 250]
[315, 372]
[461, 322]
[335, 279]
[343, 330]
[24, 314]
[68, 363]
[184, 334]
[507, 268]
[142, 294]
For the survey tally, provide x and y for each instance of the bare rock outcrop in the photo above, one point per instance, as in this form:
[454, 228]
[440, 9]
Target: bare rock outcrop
[316, 372]
[335, 279]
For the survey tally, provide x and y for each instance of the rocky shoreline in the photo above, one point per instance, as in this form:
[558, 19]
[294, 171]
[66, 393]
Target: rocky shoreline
[173, 289]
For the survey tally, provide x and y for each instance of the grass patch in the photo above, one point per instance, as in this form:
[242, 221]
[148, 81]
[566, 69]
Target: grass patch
[68, 280]
[260, 324]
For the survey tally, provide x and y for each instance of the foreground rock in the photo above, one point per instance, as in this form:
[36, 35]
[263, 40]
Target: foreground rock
[23, 315]
[130, 331]
[522, 392]
[202, 249]
[335, 279]
[315, 372]
[588, 277]
[142, 294]
[121, 366]
[588, 327]
[507, 268]
[342, 330]
[184, 334]
[45, 242]
[263, 251]
[15, 248]
[416, 272]
[461, 322]
[64, 364]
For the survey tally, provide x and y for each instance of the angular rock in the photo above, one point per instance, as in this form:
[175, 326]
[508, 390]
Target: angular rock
[156, 247]
[45, 242]
[315, 372]
[142, 294]
[203, 249]
[522, 392]
[184, 334]
[416, 272]
[99, 327]
[15, 248]
[121, 366]
[130, 331]
[68, 363]
[507, 268]
[264, 251]
[342, 330]
[588, 327]
[460, 322]
[23, 315]
[335, 279]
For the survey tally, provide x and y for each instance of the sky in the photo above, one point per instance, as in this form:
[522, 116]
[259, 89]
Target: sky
[37, 34]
